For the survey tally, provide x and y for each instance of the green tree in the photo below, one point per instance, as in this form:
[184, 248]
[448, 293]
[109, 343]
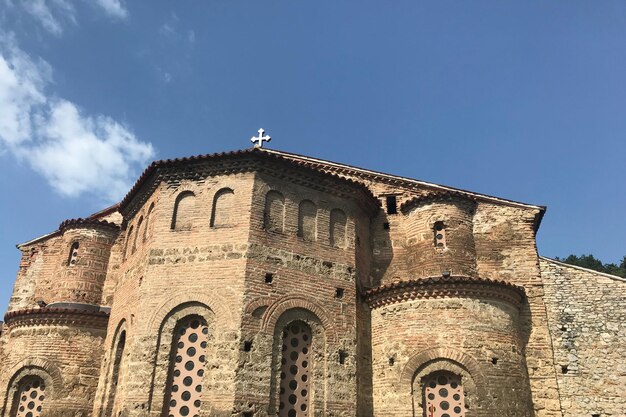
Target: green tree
[591, 262]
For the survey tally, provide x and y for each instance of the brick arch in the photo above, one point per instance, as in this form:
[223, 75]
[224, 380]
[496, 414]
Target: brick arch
[280, 306]
[213, 302]
[420, 359]
[256, 303]
[40, 367]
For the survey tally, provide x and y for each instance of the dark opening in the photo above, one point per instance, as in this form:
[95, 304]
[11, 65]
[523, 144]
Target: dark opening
[248, 414]
[392, 361]
[342, 356]
[595, 415]
[386, 226]
[564, 369]
[494, 361]
[247, 346]
[339, 292]
[392, 204]
[269, 277]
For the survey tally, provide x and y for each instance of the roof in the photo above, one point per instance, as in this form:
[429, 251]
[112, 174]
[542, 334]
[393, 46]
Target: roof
[335, 169]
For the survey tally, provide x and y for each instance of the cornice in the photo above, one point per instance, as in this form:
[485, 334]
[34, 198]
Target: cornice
[88, 223]
[203, 166]
[51, 316]
[445, 287]
[435, 196]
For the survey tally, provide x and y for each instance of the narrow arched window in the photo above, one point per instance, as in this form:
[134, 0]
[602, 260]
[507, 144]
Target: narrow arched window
[338, 223]
[295, 371]
[147, 222]
[115, 375]
[443, 395]
[440, 235]
[184, 211]
[73, 256]
[307, 220]
[223, 208]
[30, 397]
[129, 239]
[274, 214]
[184, 383]
[134, 248]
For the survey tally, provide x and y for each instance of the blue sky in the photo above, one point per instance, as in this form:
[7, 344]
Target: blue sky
[522, 100]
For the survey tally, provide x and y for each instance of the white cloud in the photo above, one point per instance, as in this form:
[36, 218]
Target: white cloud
[114, 8]
[76, 153]
[41, 12]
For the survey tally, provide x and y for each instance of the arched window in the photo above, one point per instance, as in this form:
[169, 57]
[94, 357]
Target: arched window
[73, 256]
[443, 395]
[134, 248]
[307, 219]
[274, 214]
[147, 222]
[223, 208]
[184, 211]
[295, 371]
[129, 239]
[440, 235]
[338, 222]
[115, 375]
[184, 383]
[29, 398]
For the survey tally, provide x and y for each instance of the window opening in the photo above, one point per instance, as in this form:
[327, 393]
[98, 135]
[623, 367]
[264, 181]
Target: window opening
[295, 375]
[184, 387]
[30, 398]
[440, 235]
[73, 257]
[443, 396]
[392, 204]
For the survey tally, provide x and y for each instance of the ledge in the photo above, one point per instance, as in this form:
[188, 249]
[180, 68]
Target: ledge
[86, 224]
[50, 316]
[445, 287]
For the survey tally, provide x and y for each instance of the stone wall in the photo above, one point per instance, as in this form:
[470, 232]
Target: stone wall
[587, 321]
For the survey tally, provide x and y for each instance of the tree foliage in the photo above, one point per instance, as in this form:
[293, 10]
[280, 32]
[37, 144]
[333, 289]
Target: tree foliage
[591, 262]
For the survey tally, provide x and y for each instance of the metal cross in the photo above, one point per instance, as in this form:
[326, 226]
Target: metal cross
[258, 142]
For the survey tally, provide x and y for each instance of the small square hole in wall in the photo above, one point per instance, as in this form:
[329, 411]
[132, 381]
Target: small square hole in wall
[339, 292]
[494, 361]
[247, 346]
[386, 225]
[247, 414]
[269, 277]
[564, 369]
[392, 361]
[342, 356]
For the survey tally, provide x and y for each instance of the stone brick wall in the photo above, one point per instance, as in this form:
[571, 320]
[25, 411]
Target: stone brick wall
[587, 321]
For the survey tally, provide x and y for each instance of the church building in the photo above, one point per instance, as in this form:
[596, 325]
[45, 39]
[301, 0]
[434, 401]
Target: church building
[261, 283]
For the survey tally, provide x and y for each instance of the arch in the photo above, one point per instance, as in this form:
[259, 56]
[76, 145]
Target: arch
[129, 238]
[37, 367]
[30, 397]
[223, 208]
[338, 225]
[165, 340]
[274, 213]
[215, 303]
[442, 358]
[184, 211]
[114, 380]
[139, 223]
[281, 306]
[147, 222]
[307, 220]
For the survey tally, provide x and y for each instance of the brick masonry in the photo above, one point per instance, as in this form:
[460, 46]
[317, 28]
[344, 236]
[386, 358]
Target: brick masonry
[254, 241]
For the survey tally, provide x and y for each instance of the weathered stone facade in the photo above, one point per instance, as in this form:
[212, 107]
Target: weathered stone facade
[262, 283]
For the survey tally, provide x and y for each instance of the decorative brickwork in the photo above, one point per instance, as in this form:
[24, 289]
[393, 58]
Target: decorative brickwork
[260, 283]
